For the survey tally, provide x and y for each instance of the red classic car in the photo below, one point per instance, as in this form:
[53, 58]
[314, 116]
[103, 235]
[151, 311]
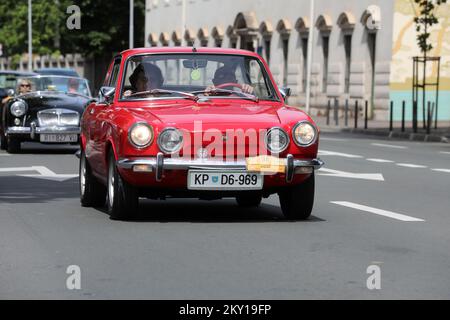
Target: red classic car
[207, 123]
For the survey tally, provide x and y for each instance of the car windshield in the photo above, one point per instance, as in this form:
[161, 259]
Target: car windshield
[193, 75]
[60, 84]
[8, 81]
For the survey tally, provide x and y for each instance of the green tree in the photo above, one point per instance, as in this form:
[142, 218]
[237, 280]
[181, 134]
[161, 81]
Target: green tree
[425, 21]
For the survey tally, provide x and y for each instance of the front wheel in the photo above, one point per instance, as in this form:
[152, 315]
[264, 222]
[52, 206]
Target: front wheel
[3, 142]
[122, 198]
[297, 201]
[92, 192]
[13, 145]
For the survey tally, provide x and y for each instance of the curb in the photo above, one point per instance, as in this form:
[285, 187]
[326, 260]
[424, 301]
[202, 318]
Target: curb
[397, 135]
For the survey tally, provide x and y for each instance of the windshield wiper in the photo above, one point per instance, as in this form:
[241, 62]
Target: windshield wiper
[156, 92]
[219, 91]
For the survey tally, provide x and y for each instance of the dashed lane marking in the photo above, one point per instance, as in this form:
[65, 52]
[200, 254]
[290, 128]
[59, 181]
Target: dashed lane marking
[389, 146]
[338, 154]
[381, 212]
[444, 152]
[410, 165]
[343, 174]
[380, 160]
[441, 170]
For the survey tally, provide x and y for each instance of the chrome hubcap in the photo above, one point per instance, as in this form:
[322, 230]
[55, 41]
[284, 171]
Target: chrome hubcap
[111, 185]
[83, 176]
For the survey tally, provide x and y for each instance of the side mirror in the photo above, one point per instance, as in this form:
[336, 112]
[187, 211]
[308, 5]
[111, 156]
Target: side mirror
[285, 92]
[106, 94]
[10, 93]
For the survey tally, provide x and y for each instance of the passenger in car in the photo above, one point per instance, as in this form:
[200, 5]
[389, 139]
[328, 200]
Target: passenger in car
[145, 77]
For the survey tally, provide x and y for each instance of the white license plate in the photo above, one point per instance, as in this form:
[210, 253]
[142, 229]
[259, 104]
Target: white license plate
[59, 138]
[213, 180]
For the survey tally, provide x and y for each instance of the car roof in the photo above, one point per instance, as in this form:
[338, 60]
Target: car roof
[17, 73]
[204, 50]
[57, 71]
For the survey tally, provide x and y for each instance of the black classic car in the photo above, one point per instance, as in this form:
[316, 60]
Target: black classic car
[48, 113]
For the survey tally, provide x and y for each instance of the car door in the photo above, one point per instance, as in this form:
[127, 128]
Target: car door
[99, 124]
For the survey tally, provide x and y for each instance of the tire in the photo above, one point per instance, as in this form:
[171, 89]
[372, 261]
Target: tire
[122, 198]
[92, 192]
[297, 201]
[249, 200]
[13, 145]
[3, 142]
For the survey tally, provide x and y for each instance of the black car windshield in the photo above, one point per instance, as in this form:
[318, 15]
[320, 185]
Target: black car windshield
[60, 84]
[156, 76]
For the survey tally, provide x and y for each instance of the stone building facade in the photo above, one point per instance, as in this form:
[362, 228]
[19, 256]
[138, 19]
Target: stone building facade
[353, 42]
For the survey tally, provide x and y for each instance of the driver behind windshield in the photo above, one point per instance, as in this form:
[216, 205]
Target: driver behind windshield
[225, 75]
[23, 87]
[145, 77]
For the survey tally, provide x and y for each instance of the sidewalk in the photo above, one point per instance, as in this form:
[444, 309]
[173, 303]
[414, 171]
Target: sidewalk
[381, 128]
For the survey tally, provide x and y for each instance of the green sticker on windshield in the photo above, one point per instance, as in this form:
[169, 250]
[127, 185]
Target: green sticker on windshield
[195, 75]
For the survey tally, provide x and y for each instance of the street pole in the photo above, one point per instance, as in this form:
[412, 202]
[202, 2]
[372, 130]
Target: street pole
[131, 24]
[309, 56]
[30, 39]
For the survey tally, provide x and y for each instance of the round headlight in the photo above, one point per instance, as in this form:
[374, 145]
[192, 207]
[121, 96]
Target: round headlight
[170, 140]
[277, 140]
[304, 134]
[18, 108]
[141, 135]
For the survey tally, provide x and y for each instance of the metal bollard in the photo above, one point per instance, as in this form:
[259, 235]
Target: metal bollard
[356, 114]
[366, 114]
[336, 112]
[428, 117]
[403, 115]
[391, 117]
[346, 112]
[328, 112]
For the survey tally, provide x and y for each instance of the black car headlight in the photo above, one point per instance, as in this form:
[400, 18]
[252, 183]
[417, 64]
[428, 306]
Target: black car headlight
[304, 134]
[18, 108]
[140, 135]
[170, 140]
[277, 140]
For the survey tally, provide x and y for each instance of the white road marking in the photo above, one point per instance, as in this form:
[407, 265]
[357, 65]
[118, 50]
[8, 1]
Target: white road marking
[380, 160]
[410, 165]
[343, 174]
[44, 173]
[332, 139]
[441, 170]
[380, 212]
[338, 154]
[444, 152]
[389, 146]
[5, 155]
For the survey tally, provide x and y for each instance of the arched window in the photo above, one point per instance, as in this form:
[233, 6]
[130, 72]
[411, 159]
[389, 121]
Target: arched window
[217, 34]
[346, 22]
[246, 27]
[152, 39]
[176, 38]
[266, 31]
[203, 37]
[302, 26]
[231, 34]
[189, 37]
[324, 25]
[164, 39]
[284, 29]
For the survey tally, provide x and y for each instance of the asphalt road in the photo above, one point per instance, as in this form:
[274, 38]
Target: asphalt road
[378, 203]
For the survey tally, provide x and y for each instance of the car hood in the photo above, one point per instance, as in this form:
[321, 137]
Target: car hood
[210, 114]
[38, 101]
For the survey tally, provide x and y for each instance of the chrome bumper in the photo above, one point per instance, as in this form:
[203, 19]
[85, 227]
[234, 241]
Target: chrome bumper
[159, 164]
[33, 130]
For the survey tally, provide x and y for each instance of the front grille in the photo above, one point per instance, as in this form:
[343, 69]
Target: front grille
[58, 117]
